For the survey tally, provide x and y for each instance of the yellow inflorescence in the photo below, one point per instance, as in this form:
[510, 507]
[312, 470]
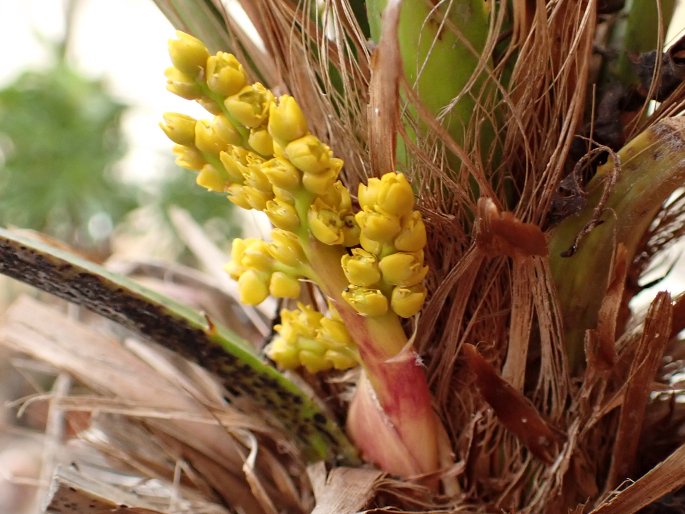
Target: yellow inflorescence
[306, 338]
[258, 150]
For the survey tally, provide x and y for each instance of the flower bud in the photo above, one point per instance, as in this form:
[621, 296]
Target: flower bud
[225, 75]
[378, 225]
[395, 195]
[188, 157]
[338, 196]
[309, 154]
[283, 353]
[412, 236]
[286, 120]
[235, 163]
[283, 285]
[325, 225]
[319, 183]
[407, 301]
[256, 255]
[205, 138]
[370, 302]
[234, 268]
[403, 269]
[181, 84]
[281, 174]
[282, 215]
[340, 360]
[260, 141]
[238, 196]
[211, 179]
[334, 334]
[370, 245]
[350, 230]
[225, 130]
[361, 268]
[313, 362]
[179, 128]
[188, 54]
[250, 106]
[286, 248]
[252, 287]
[368, 193]
[209, 105]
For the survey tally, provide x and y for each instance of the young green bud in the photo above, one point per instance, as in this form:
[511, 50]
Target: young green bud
[225, 75]
[366, 301]
[284, 286]
[181, 84]
[407, 301]
[250, 106]
[403, 269]
[188, 54]
[281, 174]
[179, 128]
[361, 268]
[252, 286]
[309, 154]
[412, 236]
[286, 120]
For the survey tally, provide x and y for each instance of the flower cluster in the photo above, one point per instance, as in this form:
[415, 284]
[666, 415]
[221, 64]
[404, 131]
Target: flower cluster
[388, 269]
[309, 339]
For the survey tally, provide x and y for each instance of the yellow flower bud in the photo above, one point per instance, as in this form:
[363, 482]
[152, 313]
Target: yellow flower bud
[395, 195]
[179, 128]
[403, 269]
[281, 174]
[370, 302]
[188, 54]
[209, 105]
[225, 74]
[225, 130]
[313, 362]
[255, 178]
[205, 138]
[283, 353]
[378, 225]
[256, 198]
[250, 106]
[338, 196]
[340, 360]
[286, 248]
[361, 268]
[368, 193]
[256, 255]
[260, 141]
[334, 334]
[305, 322]
[284, 286]
[188, 157]
[282, 215]
[252, 287]
[211, 179]
[407, 301]
[181, 84]
[238, 196]
[370, 245]
[325, 225]
[235, 162]
[279, 150]
[286, 120]
[350, 230]
[412, 236]
[319, 183]
[309, 154]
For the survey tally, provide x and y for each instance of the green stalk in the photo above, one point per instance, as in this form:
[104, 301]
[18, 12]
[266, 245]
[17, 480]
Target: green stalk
[651, 168]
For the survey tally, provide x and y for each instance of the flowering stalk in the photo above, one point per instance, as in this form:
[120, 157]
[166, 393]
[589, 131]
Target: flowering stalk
[369, 264]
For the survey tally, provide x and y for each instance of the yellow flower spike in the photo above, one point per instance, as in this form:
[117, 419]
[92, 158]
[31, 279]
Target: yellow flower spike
[180, 128]
[286, 120]
[361, 268]
[188, 54]
[370, 245]
[261, 142]
[285, 247]
[407, 301]
[252, 286]
[256, 255]
[250, 106]
[281, 174]
[211, 179]
[378, 225]
[238, 196]
[366, 301]
[319, 183]
[412, 236]
[350, 230]
[283, 353]
[403, 269]
[225, 130]
[283, 285]
[368, 193]
[225, 75]
[181, 84]
[325, 225]
[282, 215]
[340, 360]
[309, 154]
[188, 157]
[205, 138]
[395, 195]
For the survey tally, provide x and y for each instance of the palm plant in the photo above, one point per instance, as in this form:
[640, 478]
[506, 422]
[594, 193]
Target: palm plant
[544, 148]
